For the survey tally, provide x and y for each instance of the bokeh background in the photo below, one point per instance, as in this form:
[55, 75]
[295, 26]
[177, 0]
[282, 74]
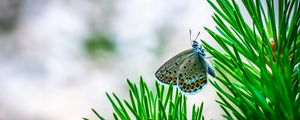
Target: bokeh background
[59, 57]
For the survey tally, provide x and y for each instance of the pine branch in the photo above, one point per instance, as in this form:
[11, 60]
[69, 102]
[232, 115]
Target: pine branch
[260, 67]
[144, 104]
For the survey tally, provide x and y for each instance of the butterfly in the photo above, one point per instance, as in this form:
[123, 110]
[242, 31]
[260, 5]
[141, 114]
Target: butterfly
[187, 70]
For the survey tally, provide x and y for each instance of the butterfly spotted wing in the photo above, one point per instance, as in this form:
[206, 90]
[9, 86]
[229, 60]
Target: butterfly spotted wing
[192, 74]
[188, 70]
[169, 71]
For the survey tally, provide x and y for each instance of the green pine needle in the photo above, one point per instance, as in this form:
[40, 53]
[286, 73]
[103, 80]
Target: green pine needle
[144, 104]
[260, 66]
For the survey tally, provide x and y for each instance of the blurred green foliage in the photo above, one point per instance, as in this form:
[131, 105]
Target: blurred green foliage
[99, 45]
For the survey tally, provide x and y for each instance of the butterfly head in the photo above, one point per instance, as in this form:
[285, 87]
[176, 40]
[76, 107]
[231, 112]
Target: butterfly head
[195, 44]
[198, 48]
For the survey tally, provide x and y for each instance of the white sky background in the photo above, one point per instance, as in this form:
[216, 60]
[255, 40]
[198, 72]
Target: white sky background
[44, 74]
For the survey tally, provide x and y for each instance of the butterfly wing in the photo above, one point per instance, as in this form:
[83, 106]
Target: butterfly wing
[192, 74]
[168, 72]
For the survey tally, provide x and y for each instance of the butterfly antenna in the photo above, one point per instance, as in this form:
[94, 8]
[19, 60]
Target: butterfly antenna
[197, 36]
[190, 36]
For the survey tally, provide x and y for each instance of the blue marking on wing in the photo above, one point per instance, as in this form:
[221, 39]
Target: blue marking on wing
[210, 69]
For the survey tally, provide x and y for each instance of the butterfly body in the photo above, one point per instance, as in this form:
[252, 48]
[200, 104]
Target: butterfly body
[188, 70]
